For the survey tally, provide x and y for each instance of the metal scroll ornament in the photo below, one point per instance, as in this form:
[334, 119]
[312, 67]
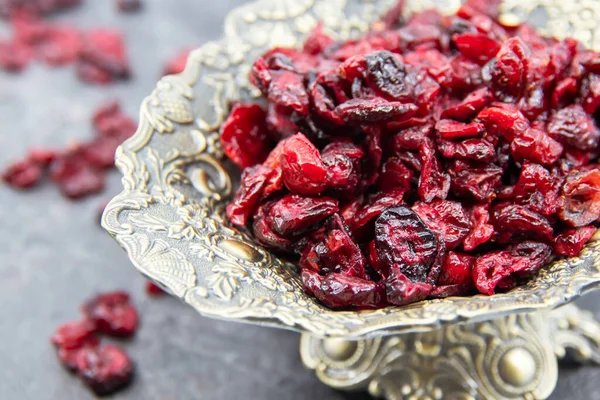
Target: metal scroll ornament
[170, 219]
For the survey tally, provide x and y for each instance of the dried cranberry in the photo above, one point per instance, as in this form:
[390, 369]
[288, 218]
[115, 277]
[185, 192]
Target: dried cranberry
[470, 105]
[317, 42]
[104, 368]
[247, 198]
[263, 231]
[74, 334]
[570, 242]
[491, 268]
[402, 290]
[456, 269]
[14, 56]
[538, 189]
[303, 170]
[446, 218]
[153, 289]
[403, 239]
[293, 215]
[339, 291]
[535, 145]
[374, 110]
[572, 126]
[244, 135]
[514, 222]
[103, 57]
[68, 356]
[481, 230]
[457, 130]
[22, 174]
[478, 47]
[113, 314]
[581, 194]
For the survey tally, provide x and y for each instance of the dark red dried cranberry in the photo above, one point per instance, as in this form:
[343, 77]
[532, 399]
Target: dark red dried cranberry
[263, 231]
[401, 290]
[535, 145]
[572, 126]
[456, 270]
[514, 222]
[340, 291]
[404, 240]
[457, 130]
[317, 42]
[481, 230]
[446, 218]
[478, 47]
[491, 268]
[581, 194]
[153, 289]
[293, 215]
[68, 356]
[74, 335]
[470, 105]
[303, 170]
[22, 174]
[244, 135]
[570, 242]
[104, 368]
[113, 314]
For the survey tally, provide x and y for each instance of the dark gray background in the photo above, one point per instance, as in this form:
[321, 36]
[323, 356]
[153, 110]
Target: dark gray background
[53, 255]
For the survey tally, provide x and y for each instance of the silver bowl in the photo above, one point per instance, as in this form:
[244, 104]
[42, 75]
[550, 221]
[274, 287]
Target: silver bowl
[170, 216]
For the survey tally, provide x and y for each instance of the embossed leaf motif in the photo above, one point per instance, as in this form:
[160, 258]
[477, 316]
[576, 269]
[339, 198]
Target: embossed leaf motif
[226, 279]
[160, 261]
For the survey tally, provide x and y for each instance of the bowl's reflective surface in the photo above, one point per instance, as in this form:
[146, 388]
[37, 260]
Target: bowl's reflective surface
[170, 216]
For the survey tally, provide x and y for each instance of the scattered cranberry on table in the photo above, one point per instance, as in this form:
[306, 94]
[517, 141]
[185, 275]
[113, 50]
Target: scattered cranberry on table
[105, 368]
[435, 156]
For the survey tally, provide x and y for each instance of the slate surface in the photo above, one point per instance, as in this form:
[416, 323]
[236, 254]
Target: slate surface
[53, 255]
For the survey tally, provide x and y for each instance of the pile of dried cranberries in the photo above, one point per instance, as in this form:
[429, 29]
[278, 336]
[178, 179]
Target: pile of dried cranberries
[435, 156]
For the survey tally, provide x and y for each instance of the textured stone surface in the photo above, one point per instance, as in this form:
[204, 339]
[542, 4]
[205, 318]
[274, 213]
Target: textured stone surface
[53, 255]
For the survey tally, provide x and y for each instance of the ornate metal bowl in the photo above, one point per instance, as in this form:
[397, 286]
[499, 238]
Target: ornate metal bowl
[170, 215]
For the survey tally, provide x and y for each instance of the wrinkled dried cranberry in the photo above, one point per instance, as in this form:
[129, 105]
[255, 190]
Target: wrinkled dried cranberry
[113, 314]
[74, 335]
[402, 290]
[303, 170]
[478, 47]
[570, 242]
[244, 135]
[581, 193]
[572, 126]
[538, 189]
[456, 270]
[481, 229]
[103, 58]
[535, 145]
[68, 356]
[403, 239]
[457, 130]
[293, 215]
[22, 174]
[263, 231]
[446, 218]
[340, 291]
[514, 222]
[491, 268]
[104, 368]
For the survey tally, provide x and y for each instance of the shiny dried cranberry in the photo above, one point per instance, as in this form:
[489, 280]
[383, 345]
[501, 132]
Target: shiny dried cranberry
[564, 92]
[74, 335]
[481, 230]
[317, 41]
[263, 231]
[374, 207]
[247, 198]
[244, 135]
[303, 170]
[153, 289]
[504, 120]
[395, 175]
[339, 291]
[469, 149]
[374, 110]
[581, 194]
[104, 368]
[507, 72]
[514, 222]
[481, 183]
[538, 189]
[177, 64]
[401, 290]
[590, 93]
[403, 239]
[538, 254]
[470, 106]
[343, 161]
[446, 218]
[570, 242]
[535, 145]
[491, 268]
[456, 269]
[294, 215]
[449, 129]
[113, 314]
[572, 126]
[22, 174]
[478, 47]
